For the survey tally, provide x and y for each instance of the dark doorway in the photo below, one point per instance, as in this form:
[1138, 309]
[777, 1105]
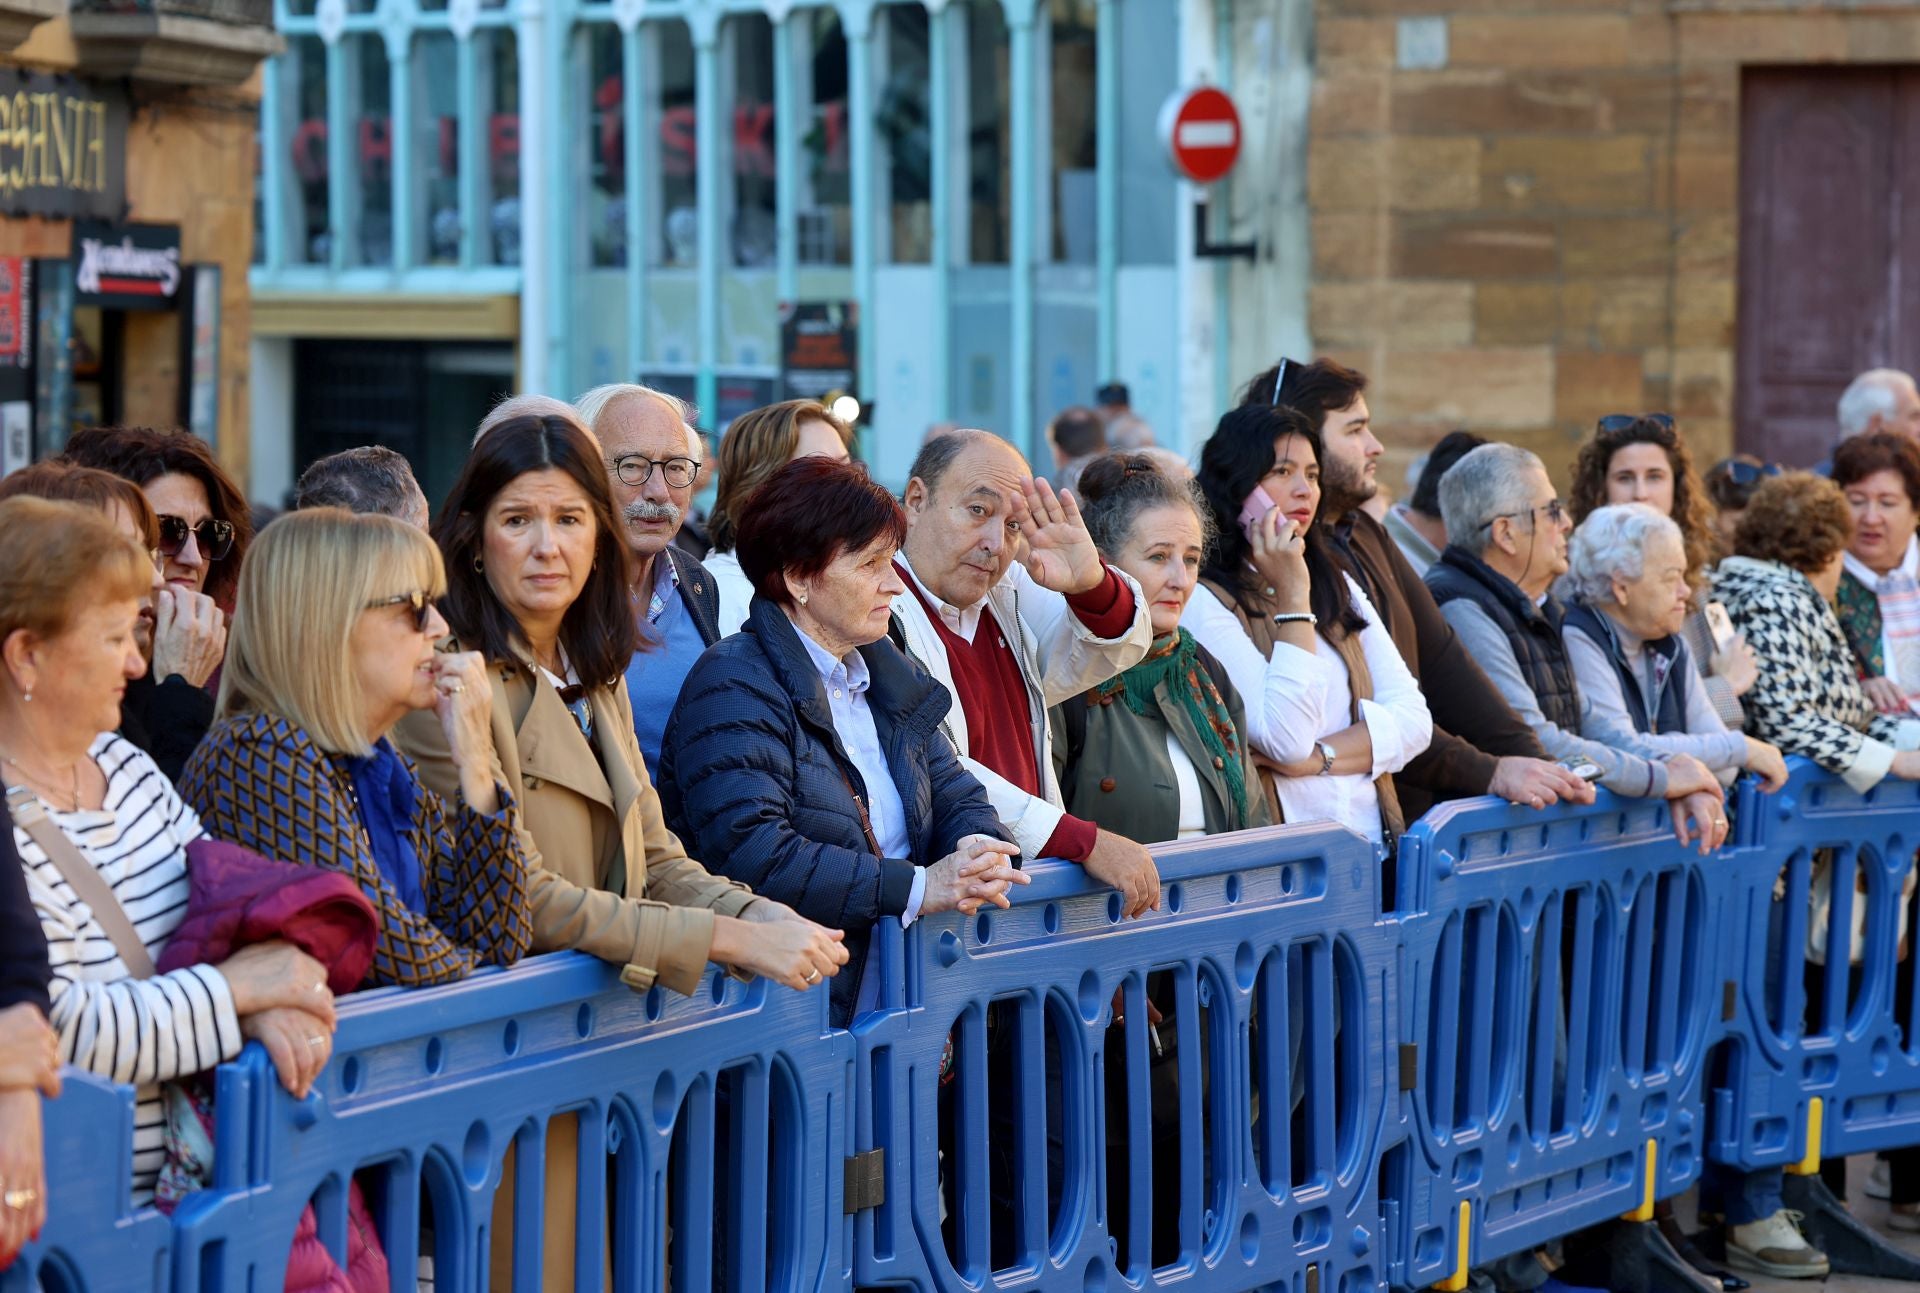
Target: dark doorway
[1829, 224]
[421, 399]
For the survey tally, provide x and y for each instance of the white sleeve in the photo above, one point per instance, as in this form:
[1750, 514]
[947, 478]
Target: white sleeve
[1398, 721]
[1285, 695]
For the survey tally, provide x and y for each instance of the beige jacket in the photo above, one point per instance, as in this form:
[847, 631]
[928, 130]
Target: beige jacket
[613, 881]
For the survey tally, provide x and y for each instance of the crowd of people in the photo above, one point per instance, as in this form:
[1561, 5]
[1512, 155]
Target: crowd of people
[560, 710]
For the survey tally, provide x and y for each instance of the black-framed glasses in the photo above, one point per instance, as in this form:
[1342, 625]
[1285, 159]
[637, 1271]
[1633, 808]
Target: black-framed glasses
[1613, 422]
[215, 537]
[1744, 474]
[416, 601]
[1556, 512]
[637, 469]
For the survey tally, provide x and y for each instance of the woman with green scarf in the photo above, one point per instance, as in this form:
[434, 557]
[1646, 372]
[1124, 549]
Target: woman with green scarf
[1160, 752]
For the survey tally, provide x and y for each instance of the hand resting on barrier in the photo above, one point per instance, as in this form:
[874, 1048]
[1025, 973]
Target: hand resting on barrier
[1127, 866]
[776, 942]
[29, 1051]
[1537, 783]
[1767, 763]
[23, 1173]
[282, 998]
[974, 874]
[1702, 817]
[298, 1044]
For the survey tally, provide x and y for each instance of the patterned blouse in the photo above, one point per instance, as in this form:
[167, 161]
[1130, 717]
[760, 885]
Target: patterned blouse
[259, 781]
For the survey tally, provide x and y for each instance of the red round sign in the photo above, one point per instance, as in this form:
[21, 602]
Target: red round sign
[1200, 130]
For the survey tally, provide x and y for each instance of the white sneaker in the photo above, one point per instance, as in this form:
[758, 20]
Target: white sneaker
[1774, 1246]
[1880, 1180]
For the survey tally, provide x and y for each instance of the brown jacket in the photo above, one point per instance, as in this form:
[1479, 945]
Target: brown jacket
[1473, 726]
[612, 880]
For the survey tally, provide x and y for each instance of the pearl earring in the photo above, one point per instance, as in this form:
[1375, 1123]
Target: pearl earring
[28, 698]
[803, 599]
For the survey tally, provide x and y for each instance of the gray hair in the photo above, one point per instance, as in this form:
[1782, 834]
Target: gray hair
[601, 400]
[1612, 544]
[1129, 432]
[371, 479]
[1874, 393]
[1483, 486]
[527, 406]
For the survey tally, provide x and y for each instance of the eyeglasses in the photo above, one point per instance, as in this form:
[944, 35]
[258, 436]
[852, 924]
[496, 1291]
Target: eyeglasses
[1747, 473]
[1613, 422]
[1556, 512]
[636, 469]
[216, 537]
[418, 602]
[1279, 382]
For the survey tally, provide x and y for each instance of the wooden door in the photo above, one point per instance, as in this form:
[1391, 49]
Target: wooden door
[1829, 221]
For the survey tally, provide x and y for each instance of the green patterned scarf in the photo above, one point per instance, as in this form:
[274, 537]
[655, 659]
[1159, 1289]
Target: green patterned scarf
[1175, 661]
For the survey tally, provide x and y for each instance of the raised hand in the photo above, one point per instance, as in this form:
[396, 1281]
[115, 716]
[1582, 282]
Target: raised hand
[1058, 552]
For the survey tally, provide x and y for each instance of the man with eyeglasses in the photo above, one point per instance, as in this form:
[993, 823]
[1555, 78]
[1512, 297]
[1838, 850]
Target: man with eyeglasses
[1479, 744]
[1507, 542]
[653, 457]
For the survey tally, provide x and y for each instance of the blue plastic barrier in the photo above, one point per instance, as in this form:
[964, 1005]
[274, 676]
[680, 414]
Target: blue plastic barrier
[1819, 1063]
[1556, 979]
[1278, 984]
[94, 1240]
[427, 1090]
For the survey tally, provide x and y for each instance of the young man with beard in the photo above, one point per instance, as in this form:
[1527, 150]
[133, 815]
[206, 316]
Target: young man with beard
[653, 457]
[1480, 746]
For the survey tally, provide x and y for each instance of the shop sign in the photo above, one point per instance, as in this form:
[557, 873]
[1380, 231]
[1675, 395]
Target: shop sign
[126, 266]
[819, 348]
[63, 146]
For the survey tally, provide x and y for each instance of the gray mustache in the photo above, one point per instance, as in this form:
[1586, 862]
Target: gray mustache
[642, 510]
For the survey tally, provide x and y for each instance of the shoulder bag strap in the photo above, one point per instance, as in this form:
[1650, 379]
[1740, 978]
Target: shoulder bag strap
[30, 815]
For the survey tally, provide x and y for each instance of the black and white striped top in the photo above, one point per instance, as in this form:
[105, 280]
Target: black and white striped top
[140, 1031]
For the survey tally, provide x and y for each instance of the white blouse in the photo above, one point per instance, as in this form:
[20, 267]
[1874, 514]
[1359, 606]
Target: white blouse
[1193, 810]
[1297, 698]
[730, 582]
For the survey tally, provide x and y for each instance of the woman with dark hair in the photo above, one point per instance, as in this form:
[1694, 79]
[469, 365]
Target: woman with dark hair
[205, 524]
[1879, 598]
[1332, 709]
[1641, 458]
[756, 445]
[537, 584]
[1159, 752]
[806, 757]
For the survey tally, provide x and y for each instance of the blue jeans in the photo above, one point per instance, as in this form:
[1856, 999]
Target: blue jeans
[1742, 1196]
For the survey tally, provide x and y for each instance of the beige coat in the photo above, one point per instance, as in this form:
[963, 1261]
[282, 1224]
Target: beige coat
[613, 881]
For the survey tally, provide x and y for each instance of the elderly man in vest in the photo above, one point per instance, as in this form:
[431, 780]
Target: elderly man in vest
[1507, 543]
[1009, 606]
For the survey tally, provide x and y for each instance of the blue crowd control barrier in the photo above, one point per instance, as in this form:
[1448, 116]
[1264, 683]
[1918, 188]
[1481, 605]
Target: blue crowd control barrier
[1555, 997]
[1822, 1060]
[1276, 985]
[94, 1240]
[427, 1090]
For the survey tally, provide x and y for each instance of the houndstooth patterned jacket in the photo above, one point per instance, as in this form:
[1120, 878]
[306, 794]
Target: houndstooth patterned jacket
[262, 782]
[1808, 700]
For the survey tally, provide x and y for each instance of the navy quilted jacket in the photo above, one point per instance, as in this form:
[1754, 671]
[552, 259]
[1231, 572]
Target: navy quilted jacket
[753, 777]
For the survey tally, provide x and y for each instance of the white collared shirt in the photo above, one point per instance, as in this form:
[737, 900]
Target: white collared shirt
[1909, 567]
[960, 620]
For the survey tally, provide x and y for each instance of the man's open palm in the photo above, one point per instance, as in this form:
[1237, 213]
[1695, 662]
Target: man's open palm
[1058, 552]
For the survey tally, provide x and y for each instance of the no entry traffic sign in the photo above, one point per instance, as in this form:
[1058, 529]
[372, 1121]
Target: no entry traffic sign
[1200, 130]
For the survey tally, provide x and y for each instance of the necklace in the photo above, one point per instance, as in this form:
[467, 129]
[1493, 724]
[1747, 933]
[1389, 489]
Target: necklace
[40, 784]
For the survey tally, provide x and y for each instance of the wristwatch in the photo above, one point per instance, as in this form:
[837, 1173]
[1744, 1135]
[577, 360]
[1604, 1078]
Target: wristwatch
[1326, 757]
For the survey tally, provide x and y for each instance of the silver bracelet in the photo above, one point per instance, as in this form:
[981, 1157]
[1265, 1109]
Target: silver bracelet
[1296, 617]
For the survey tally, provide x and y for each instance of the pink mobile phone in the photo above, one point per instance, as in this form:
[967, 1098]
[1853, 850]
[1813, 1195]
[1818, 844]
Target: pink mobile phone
[1254, 510]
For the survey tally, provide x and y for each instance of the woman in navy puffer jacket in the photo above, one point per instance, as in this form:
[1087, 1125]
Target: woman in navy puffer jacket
[805, 757]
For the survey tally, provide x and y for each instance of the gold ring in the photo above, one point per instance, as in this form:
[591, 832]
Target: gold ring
[457, 688]
[18, 1199]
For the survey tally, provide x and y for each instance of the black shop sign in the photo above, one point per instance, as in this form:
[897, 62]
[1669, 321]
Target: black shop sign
[126, 266]
[819, 348]
[63, 147]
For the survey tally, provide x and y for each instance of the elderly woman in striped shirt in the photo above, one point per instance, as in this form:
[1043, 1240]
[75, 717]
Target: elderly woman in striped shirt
[103, 837]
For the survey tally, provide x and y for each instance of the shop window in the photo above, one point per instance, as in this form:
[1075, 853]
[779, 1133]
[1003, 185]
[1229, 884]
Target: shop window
[746, 62]
[496, 58]
[824, 215]
[602, 147]
[303, 91]
[369, 112]
[674, 156]
[1074, 159]
[989, 153]
[435, 123]
[902, 127]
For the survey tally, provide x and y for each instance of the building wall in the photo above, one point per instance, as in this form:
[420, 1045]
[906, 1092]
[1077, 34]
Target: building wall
[190, 162]
[1524, 211]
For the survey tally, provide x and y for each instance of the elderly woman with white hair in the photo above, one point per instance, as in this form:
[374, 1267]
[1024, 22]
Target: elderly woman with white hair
[1627, 571]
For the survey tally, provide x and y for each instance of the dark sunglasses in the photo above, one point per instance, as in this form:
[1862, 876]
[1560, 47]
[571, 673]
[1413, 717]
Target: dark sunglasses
[574, 697]
[216, 537]
[1613, 422]
[418, 602]
[1747, 473]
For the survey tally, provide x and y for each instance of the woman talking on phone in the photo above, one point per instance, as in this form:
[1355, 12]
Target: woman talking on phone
[1332, 711]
